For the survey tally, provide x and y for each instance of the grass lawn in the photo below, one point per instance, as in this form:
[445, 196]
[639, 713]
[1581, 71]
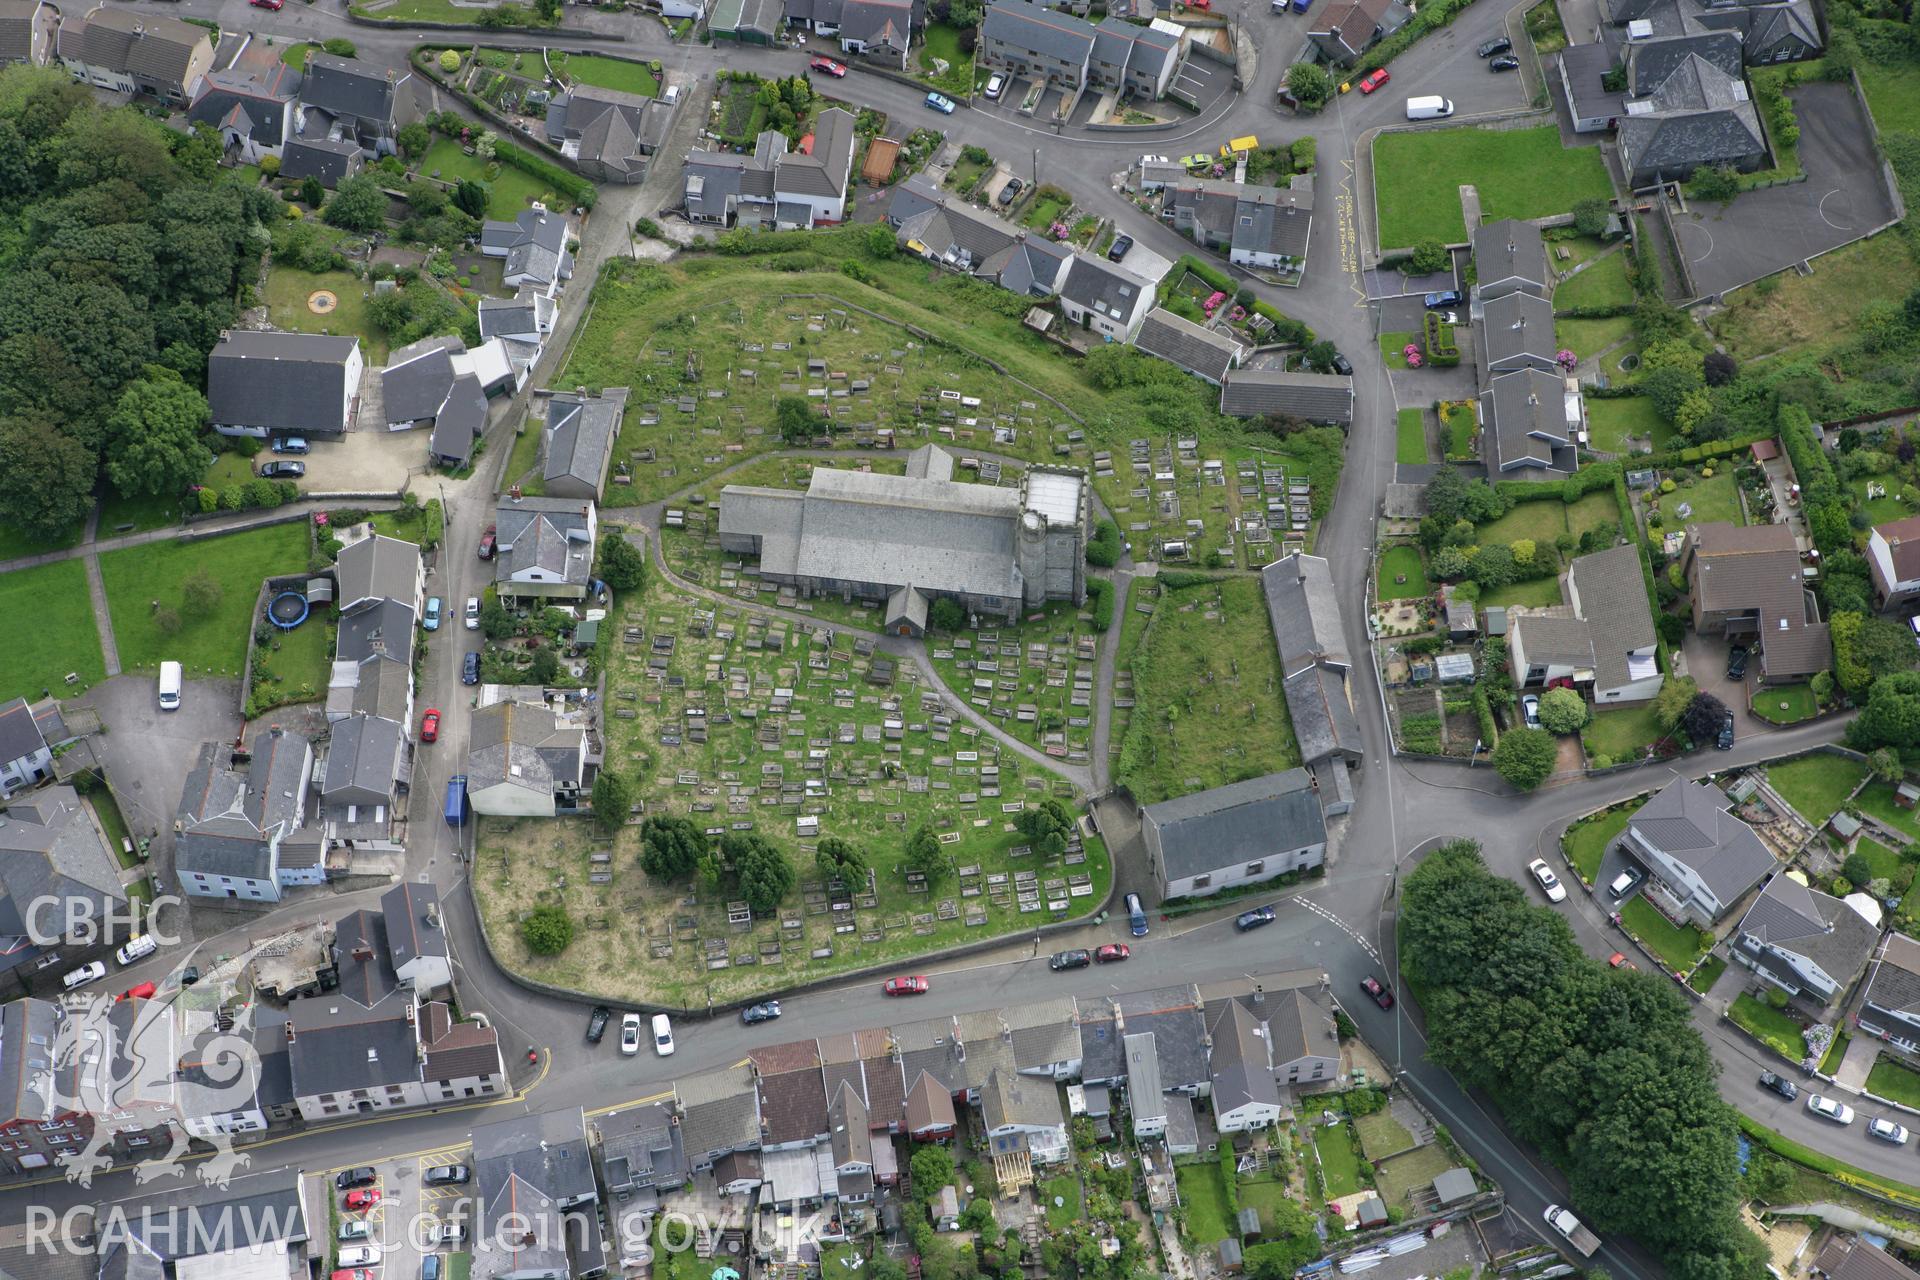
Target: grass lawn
[1461, 419]
[286, 294]
[509, 193]
[1707, 972]
[943, 42]
[1877, 800]
[108, 812]
[1591, 511]
[1893, 92]
[1613, 420]
[1393, 348]
[1588, 338]
[1205, 1198]
[1894, 1080]
[609, 73]
[1541, 521]
[1046, 210]
[1534, 592]
[1337, 1160]
[1887, 864]
[1836, 1051]
[526, 452]
[1678, 947]
[1770, 1026]
[1621, 733]
[1382, 1136]
[296, 664]
[1519, 173]
[1783, 704]
[1067, 1189]
[1586, 844]
[1716, 498]
[61, 637]
[1604, 284]
[1816, 785]
[15, 544]
[210, 643]
[1264, 1197]
[1887, 507]
[295, 55]
[1401, 562]
[1402, 1176]
[1818, 310]
[1410, 446]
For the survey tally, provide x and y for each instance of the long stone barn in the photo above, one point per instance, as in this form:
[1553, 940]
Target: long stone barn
[909, 540]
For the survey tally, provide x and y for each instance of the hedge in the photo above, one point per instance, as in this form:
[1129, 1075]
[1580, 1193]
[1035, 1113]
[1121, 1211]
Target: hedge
[1442, 345]
[1433, 15]
[1483, 711]
[1845, 1174]
[1100, 602]
[573, 186]
[1286, 328]
[1572, 489]
[1186, 578]
[1104, 551]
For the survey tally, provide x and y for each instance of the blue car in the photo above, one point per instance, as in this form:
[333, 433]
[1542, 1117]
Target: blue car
[432, 619]
[941, 103]
[1445, 298]
[470, 669]
[1136, 916]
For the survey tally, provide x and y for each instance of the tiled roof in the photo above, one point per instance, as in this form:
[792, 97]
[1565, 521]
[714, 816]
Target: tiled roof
[1312, 397]
[1691, 823]
[1611, 589]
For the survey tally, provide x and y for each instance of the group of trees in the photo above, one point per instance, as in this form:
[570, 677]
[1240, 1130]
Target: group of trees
[1601, 1070]
[121, 254]
[758, 871]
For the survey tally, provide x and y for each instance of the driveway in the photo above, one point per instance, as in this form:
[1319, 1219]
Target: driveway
[1761, 232]
[1707, 663]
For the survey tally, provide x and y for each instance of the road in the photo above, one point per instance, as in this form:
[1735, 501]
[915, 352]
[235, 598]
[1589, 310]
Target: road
[1400, 805]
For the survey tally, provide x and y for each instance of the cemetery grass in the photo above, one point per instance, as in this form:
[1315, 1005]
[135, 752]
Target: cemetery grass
[1053, 709]
[1209, 705]
[521, 864]
[653, 325]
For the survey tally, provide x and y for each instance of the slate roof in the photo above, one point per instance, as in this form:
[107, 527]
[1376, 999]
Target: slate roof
[886, 22]
[281, 381]
[823, 171]
[1582, 67]
[348, 89]
[230, 815]
[581, 430]
[1611, 589]
[258, 83]
[534, 245]
[367, 757]
[1300, 1028]
[1757, 568]
[720, 1109]
[461, 420]
[517, 317]
[1351, 23]
[52, 849]
[1525, 424]
[1098, 286]
[1102, 1055]
[1240, 822]
[1172, 1016]
[1698, 115]
[141, 44]
[1025, 25]
[640, 1147]
[361, 1037]
[20, 735]
[1509, 251]
[1894, 983]
[848, 1128]
[404, 912]
[1304, 607]
[414, 383]
[385, 628]
[1806, 922]
[1651, 62]
[1322, 714]
[526, 1169]
[1241, 1062]
[549, 534]
[1517, 325]
[522, 744]
[327, 159]
[27, 1031]
[1275, 221]
[1852, 1257]
[606, 126]
[1312, 397]
[377, 568]
[252, 1213]
[16, 29]
[1181, 342]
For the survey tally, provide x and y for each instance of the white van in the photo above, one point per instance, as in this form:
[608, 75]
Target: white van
[136, 949]
[169, 686]
[1432, 107]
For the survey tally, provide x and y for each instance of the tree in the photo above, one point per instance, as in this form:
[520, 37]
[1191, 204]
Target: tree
[1885, 765]
[964, 13]
[670, 847]
[549, 10]
[153, 436]
[1310, 85]
[1525, 757]
[312, 193]
[1563, 711]
[923, 854]
[1858, 868]
[495, 622]
[880, 242]
[1721, 182]
[1719, 368]
[946, 614]
[622, 566]
[471, 198]
[1046, 826]
[1429, 257]
[839, 859]
[1703, 718]
[1671, 703]
[547, 930]
[760, 869]
[545, 668]
[201, 593]
[1891, 717]
[358, 204]
[1320, 356]
[46, 478]
[612, 798]
[449, 60]
[1590, 216]
[931, 1169]
[795, 419]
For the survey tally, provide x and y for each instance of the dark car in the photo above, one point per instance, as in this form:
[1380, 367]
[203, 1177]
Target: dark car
[1009, 193]
[1377, 991]
[765, 1011]
[1780, 1085]
[1112, 953]
[597, 1023]
[470, 669]
[446, 1175]
[1342, 365]
[1121, 246]
[290, 444]
[190, 975]
[1069, 960]
[1499, 44]
[1505, 62]
[1737, 662]
[282, 470]
[1254, 919]
[1443, 299]
[487, 543]
[362, 1176]
[1725, 740]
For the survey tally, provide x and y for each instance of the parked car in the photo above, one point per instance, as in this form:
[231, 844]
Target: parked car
[1888, 1131]
[1625, 883]
[487, 543]
[630, 1033]
[136, 948]
[1443, 299]
[1530, 710]
[1247, 921]
[1009, 192]
[350, 1273]
[1147, 160]
[1196, 160]
[430, 620]
[268, 4]
[941, 103]
[765, 1011]
[1780, 1085]
[1549, 882]
[361, 1255]
[1342, 365]
[1737, 662]
[1136, 915]
[429, 1267]
[1121, 246]
[449, 1234]
[360, 1176]
[1499, 44]
[356, 1231]
[662, 1035]
[190, 975]
[84, 974]
[597, 1023]
[473, 613]
[1724, 740]
[139, 991]
[290, 444]
[829, 66]
[1505, 62]
[912, 985]
[430, 725]
[1374, 80]
[1377, 991]
[1619, 961]
[363, 1199]
[1112, 953]
[1830, 1109]
[1069, 960]
[282, 470]
[995, 83]
[470, 669]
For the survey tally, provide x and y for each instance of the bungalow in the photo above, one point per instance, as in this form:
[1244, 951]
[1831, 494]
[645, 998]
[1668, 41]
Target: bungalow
[127, 51]
[1806, 942]
[1890, 1008]
[957, 235]
[1242, 833]
[1267, 393]
[262, 380]
[1703, 858]
[612, 136]
[1202, 352]
[1697, 115]
[877, 29]
[524, 760]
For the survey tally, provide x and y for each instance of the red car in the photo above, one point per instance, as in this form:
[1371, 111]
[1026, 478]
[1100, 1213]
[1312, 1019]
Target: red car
[1377, 991]
[144, 991]
[1620, 961]
[430, 725]
[1374, 80]
[268, 4]
[1111, 952]
[909, 986]
[353, 1273]
[365, 1198]
[829, 66]
[487, 541]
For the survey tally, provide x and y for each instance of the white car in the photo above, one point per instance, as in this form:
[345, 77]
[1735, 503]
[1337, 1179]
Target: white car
[1530, 708]
[995, 83]
[630, 1034]
[1147, 160]
[1831, 1109]
[1887, 1129]
[1549, 882]
[84, 974]
[449, 1234]
[473, 613]
[662, 1035]
[360, 1255]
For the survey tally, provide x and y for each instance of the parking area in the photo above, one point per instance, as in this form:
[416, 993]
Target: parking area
[1201, 81]
[1761, 232]
[1706, 658]
[406, 1219]
[1616, 861]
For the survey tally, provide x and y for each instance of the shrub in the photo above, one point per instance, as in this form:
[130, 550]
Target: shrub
[1428, 258]
[1100, 603]
[1563, 711]
[1103, 551]
[1525, 757]
[547, 930]
[449, 60]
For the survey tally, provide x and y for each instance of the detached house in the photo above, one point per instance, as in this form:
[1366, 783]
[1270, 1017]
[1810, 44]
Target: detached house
[1807, 943]
[877, 29]
[1688, 109]
[1603, 640]
[1270, 393]
[262, 380]
[775, 187]
[345, 100]
[611, 135]
[1348, 28]
[1893, 555]
[1703, 858]
[1242, 833]
[1305, 611]
[545, 548]
[1265, 227]
[134, 52]
[1207, 355]
[523, 760]
[438, 383]
[252, 102]
[1747, 583]
[1891, 1006]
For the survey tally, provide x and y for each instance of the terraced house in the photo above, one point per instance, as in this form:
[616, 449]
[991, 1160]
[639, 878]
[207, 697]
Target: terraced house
[124, 51]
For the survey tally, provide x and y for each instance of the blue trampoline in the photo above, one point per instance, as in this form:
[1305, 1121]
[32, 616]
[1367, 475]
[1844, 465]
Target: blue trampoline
[287, 610]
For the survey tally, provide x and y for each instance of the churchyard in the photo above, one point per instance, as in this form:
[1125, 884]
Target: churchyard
[791, 731]
[1034, 679]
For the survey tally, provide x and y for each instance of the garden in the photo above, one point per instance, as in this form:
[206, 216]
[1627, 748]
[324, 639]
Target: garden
[1816, 785]
[1784, 704]
[1678, 946]
[1519, 173]
[1771, 1026]
[1620, 424]
[191, 600]
[509, 190]
[1617, 735]
[1403, 574]
[1894, 1080]
[1586, 842]
[286, 293]
[62, 637]
[1794, 313]
[620, 74]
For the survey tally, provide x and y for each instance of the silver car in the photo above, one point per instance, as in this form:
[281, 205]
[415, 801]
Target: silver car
[1888, 1131]
[1830, 1108]
[1549, 882]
